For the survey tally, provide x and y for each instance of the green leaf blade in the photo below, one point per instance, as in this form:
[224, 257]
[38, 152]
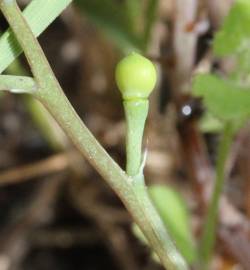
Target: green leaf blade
[174, 213]
[39, 15]
[225, 99]
[235, 31]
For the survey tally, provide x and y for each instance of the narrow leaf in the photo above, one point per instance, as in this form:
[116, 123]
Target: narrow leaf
[39, 15]
[174, 213]
[235, 32]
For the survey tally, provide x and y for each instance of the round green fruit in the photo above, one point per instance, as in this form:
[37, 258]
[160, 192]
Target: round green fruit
[135, 77]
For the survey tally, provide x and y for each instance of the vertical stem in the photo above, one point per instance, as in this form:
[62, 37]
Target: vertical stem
[134, 8]
[136, 112]
[149, 19]
[209, 232]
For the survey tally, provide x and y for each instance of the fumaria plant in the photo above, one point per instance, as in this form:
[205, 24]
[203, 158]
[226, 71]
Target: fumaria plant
[226, 96]
[45, 87]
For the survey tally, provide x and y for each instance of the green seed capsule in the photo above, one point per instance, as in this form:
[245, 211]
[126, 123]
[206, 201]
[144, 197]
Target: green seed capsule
[135, 77]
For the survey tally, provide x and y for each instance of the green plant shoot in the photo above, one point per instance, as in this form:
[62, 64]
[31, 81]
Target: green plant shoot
[228, 99]
[174, 213]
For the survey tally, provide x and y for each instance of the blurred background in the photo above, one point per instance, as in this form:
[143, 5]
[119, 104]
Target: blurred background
[55, 211]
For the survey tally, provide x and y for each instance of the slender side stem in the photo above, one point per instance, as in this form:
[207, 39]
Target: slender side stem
[133, 9]
[48, 127]
[149, 19]
[136, 112]
[17, 84]
[43, 120]
[51, 95]
[209, 232]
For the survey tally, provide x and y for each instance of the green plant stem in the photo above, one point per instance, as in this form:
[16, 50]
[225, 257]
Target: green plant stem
[209, 231]
[42, 119]
[133, 195]
[149, 19]
[134, 12]
[17, 84]
[136, 112]
[47, 126]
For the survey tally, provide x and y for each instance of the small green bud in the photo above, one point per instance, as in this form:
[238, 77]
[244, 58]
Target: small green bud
[135, 77]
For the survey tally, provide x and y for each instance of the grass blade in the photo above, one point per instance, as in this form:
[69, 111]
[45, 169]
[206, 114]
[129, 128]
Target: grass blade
[39, 15]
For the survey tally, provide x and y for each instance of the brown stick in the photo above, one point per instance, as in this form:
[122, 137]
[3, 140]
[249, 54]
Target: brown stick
[54, 164]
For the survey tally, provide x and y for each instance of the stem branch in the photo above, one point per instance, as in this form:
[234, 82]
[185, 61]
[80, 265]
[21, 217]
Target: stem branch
[136, 112]
[17, 84]
[209, 232]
